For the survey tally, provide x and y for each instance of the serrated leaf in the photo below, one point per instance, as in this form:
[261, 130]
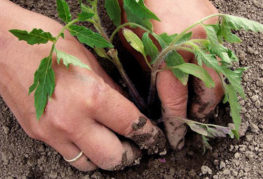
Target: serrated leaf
[174, 59]
[184, 38]
[114, 11]
[168, 38]
[63, 11]
[138, 13]
[69, 59]
[150, 47]
[134, 41]
[36, 36]
[238, 23]
[83, 16]
[235, 107]
[162, 43]
[211, 61]
[196, 71]
[44, 85]
[89, 37]
[229, 36]
[86, 9]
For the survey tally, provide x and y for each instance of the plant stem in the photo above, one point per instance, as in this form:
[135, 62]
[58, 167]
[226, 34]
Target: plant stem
[124, 25]
[170, 48]
[193, 25]
[113, 57]
[132, 90]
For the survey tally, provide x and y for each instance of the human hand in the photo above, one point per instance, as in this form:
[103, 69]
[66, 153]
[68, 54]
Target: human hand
[86, 108]
[176, 16]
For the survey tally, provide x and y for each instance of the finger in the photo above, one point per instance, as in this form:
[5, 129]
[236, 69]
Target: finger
[104, 148]
[122, 116]
[205, 99]
[173, 95]
[69, 151]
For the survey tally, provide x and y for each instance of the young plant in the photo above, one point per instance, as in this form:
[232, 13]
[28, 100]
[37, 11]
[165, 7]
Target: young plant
[206, 52]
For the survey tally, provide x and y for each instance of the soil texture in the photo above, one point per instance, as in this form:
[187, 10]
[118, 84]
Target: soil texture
[22, 157]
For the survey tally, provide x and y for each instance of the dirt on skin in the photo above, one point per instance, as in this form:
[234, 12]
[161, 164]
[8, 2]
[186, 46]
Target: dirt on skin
[22, 157]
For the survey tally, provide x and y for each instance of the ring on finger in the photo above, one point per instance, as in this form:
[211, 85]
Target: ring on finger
[74, 159]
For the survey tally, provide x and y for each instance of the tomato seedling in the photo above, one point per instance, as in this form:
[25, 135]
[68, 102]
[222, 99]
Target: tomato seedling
[206, 52]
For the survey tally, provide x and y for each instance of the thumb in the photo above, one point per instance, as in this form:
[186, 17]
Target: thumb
[173, 95]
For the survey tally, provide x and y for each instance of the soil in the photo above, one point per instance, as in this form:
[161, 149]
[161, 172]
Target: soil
[22, 157]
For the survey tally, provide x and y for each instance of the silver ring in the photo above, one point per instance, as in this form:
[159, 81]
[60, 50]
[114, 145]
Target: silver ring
[75, 158]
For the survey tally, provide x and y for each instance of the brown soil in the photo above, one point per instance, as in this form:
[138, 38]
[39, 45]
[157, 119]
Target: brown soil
[22, 157]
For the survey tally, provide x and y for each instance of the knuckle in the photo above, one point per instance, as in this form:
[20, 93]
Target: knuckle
[37, 134]
[96, 94]
[176, 105]
[62, 124]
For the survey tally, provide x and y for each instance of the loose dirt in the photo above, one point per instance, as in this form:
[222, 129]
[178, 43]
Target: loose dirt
[22, 157]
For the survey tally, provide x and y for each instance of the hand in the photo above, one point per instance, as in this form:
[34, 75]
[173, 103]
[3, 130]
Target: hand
[86, 108]
[177, 15]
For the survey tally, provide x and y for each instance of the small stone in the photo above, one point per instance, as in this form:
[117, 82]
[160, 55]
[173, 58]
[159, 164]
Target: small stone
[254, 98]
[258, 104]
[6, 130]
[85, 177]
[235, 173]
[206, 170]
[53, 174]
[231, 148]
[192, 173]
[254, 128]
[259, 82]
[249, 138]
[237, 155]
[222, 165]
[242, 148]
[215, 177]
[216, 162]
[97, 175]
[4, 158]
[226, 172]
[249, 155]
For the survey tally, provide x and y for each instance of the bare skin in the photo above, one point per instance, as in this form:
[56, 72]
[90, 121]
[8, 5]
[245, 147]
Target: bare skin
[176, 15]
[87, 108]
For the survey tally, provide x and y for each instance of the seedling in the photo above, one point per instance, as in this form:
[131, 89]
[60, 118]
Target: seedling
[206, 52]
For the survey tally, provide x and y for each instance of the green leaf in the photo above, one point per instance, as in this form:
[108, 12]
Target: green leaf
[229, 36]
[168, 38]
[214, 46]
[101, 52]
[184, 38]
[138, 13]
[83, 16]
[150, 47]
[114, 11]
[174, 59]
[196, 71]
[89, 37]
[211, 61]
[63, 11]
[235, 107]
[69, 59]
[238, 23]
[162, 43]
[134, 41]
[235, 80]
[86, 9]
[44, 85]
[36, 36]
